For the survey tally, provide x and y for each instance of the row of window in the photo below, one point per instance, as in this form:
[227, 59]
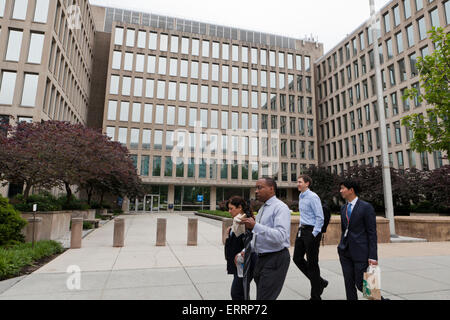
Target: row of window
[365, 141]
[172, 112]
[76, 32]
[363, 94]
[215, 169]
[14, 50]
[410, 155]
[57, 108]
[20, 7]
[185, 141]
[409, 40]
[206, 71]
[29, 88]
[208, 94]
[216, 50]
[336, 82]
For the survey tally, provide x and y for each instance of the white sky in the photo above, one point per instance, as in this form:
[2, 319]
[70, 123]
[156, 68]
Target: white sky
[328, 20]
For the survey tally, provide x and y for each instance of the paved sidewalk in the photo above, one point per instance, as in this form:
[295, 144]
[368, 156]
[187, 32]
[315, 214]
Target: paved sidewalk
[140, 270]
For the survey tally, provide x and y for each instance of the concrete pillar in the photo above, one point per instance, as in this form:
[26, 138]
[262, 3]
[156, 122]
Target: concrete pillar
[192, 232]
[126, 204]
[253, 193]
[212, 198]
[36, 224]
[76, 234]
[225, 224]
[119, 232]
[289, 194]
[171, 197]
[161, 232]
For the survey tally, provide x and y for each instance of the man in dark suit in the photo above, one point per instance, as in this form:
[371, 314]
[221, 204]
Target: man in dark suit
[358, 246]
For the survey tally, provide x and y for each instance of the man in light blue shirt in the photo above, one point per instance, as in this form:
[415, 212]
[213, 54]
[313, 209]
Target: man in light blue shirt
[309, 236]
[271, 234]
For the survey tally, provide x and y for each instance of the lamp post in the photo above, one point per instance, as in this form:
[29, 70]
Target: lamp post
[387, 187]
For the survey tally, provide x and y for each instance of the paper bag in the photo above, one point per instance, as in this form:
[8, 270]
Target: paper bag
[237, 228]
[372, 283]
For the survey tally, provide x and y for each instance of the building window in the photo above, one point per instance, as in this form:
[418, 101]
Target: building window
[14, 45]
[8, 84]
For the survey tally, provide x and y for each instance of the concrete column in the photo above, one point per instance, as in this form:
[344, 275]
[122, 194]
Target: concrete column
[161, 232]
[171, 196]
[76, 234]
[36, 224]
[253, 193]
[225, 224]
[289, 194]
[119, 232]
[192, 231]
[125, 204]
[212, 198]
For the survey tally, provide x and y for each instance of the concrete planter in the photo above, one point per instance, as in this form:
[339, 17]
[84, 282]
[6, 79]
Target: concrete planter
[333, 234]
[431, 214]
[54, 225]
[101, 211]
[432, 228]
[85, 214]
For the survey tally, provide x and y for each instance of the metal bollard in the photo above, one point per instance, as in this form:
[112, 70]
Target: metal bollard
[119, 232]
[161, 232]
[192, 232]
[76, 233]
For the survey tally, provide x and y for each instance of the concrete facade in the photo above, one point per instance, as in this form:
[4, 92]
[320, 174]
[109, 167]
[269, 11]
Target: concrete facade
[47, 47]
[207, 109]
[348, 127]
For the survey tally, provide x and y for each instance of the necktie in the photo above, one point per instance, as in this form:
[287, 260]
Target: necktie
[258, 219]
[349, 210]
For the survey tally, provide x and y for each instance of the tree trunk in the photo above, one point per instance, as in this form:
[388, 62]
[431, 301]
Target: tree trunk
[26, 193]
[68, 191]
[101, 199]
[89, 194]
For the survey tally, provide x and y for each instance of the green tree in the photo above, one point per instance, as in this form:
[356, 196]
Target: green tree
[432, 132]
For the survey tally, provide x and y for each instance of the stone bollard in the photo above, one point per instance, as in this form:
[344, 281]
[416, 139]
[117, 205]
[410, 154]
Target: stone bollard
[192, 232]
[76, 234]
[225, 224]
[37, 224]
[161, 232]
[119, 232]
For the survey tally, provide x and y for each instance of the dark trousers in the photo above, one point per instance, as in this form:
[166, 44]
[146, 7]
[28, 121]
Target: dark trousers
[269, 274]
[309, 245]
[237, 288]
[353, 272]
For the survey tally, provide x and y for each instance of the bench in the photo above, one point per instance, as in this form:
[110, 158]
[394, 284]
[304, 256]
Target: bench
[93, 221]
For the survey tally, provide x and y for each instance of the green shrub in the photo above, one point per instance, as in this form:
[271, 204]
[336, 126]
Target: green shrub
[117, 211]
[11, 223]
[14, 258]
[88, 225]
[219, 213]
[45, 202]
[73, 204]
[96, 205]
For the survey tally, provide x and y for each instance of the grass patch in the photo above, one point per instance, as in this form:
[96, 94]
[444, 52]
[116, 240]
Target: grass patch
[17, 257]
[218, 213]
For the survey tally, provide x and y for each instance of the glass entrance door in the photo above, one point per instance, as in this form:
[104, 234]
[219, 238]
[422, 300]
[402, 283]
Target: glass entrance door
[155, 203]
[150, 203]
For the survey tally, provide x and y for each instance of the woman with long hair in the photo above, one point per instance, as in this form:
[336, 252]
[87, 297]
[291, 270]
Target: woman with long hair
[234, 245]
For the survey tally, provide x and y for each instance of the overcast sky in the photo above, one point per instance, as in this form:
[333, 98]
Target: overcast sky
[328, 20]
